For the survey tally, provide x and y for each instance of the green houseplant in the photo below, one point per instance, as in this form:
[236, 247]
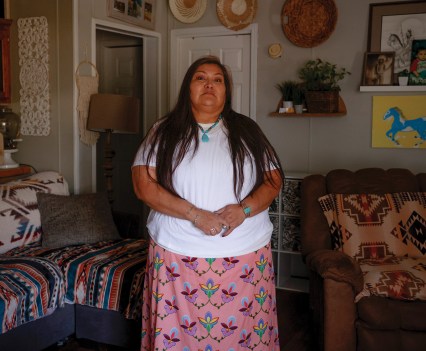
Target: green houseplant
[286, 88]
[321, 82]
[298, 97]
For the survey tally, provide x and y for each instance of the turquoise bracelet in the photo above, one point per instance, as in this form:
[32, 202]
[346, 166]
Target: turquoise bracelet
[246, 209]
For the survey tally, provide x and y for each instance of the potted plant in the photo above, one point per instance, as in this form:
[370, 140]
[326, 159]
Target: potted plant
[286, 88]
[298, 95]
[320, 80]
[403, 77]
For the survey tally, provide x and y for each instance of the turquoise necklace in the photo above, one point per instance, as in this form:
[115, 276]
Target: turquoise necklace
[205, 137]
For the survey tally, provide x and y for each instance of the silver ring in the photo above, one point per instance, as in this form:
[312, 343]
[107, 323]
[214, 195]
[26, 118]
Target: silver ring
[224, 226]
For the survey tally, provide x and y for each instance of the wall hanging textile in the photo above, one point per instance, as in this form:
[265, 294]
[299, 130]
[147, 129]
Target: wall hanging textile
[308, 23]
[188, 11]
[236, 14]
[34, 76]
[86, 85]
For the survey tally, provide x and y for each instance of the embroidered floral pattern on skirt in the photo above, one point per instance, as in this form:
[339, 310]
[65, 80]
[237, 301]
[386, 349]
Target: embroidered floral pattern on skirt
[209, 304]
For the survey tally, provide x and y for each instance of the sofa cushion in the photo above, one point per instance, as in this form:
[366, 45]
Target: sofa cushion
[30, 288]
[376, 226]
[19, 215]
[389, 314]
[107, 275]
[76, 219]
[400, 278]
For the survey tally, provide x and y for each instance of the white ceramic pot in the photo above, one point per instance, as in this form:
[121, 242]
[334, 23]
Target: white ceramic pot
[298, 109]
[402, 80]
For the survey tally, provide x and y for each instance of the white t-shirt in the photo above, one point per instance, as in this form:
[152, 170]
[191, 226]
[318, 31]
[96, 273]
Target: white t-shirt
[205, 180]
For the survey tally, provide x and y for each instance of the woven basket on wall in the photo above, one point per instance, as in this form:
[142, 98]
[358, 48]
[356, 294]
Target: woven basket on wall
[322, 101]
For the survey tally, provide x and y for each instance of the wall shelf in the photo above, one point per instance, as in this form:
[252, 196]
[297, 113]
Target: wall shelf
[342, 112]
[391, 88]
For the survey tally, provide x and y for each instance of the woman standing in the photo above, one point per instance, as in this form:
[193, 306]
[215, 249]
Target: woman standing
[209, 175]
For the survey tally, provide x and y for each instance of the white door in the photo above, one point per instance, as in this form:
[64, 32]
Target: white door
[235, 50]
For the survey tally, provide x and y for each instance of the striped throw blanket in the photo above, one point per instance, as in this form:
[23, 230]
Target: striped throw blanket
[107, 275]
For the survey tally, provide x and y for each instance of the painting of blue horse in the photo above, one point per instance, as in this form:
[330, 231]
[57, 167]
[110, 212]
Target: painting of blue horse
[401, 124]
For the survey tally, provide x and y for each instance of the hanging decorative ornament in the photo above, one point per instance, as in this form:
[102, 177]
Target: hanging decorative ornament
[275, 50]
[308, 23]
[188, 11]
[236, 14]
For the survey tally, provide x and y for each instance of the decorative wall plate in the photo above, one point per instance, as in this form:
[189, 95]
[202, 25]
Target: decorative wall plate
[308, 23]
[275, 50]
[236, 14]
[188, 11]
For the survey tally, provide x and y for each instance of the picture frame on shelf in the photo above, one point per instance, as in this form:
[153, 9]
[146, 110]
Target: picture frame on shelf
[138, 12]
[418, 62]
[393, 26]
[378, 68]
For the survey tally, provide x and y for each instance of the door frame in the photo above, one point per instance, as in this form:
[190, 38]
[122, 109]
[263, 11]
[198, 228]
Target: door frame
[176, 37]
[150, 39]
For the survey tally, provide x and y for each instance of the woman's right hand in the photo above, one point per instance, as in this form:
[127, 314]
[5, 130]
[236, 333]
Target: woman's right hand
[208, 222]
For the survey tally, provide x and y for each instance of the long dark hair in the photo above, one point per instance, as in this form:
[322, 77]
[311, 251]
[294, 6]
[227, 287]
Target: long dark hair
[172, 136]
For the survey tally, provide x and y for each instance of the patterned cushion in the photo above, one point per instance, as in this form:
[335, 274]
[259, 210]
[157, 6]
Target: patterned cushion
[75, 219]
[30, 288]
[19, 215]
[106, 275]
[401, 278]
[373, 226]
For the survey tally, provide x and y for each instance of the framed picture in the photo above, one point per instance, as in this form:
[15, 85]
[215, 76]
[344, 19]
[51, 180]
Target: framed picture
[393, 26]
[418, 63]
[139, 12]
[378, 68]
[398, 122]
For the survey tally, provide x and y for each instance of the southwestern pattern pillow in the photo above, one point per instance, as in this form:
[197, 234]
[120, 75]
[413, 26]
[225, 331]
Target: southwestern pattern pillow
[377, 226]
[400, 278]
[19, 214]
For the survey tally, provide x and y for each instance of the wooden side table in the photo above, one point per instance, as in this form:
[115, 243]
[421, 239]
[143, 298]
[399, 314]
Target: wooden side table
[9, 174]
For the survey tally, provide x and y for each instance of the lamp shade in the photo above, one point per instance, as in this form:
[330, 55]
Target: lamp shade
[118, 113]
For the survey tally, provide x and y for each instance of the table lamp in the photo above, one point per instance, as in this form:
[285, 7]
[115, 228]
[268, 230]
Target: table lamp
[10, 128]
[111, 113]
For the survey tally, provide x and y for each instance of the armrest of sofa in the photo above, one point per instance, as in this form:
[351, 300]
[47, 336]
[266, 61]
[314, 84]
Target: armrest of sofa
[127, 224]
[338, 266]
[335, 281]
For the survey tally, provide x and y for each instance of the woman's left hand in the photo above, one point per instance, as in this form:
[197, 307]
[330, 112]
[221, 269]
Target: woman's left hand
[232, 214]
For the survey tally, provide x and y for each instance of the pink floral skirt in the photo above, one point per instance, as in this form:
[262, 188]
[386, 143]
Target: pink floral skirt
[209, 304]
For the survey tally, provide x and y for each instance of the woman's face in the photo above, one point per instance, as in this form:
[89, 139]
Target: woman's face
[208, 92]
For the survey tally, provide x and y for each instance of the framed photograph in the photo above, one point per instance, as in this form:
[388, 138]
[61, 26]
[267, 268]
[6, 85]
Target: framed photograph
[378, 68]
[418, 63]
[139, 12]
[393, 26]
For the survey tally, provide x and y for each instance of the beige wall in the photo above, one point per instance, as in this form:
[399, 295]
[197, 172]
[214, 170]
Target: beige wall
[52, 151]
[319, 144]
[304, 144]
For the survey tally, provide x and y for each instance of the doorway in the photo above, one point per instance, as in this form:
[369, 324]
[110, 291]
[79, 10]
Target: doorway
[125, 62]
[119, 62]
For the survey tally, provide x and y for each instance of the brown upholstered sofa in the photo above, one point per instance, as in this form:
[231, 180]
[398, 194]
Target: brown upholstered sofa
[374, 322]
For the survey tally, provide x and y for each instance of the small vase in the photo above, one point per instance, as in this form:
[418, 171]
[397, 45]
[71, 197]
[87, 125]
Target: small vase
[298, 109]
[402, 80]
[288, 106]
